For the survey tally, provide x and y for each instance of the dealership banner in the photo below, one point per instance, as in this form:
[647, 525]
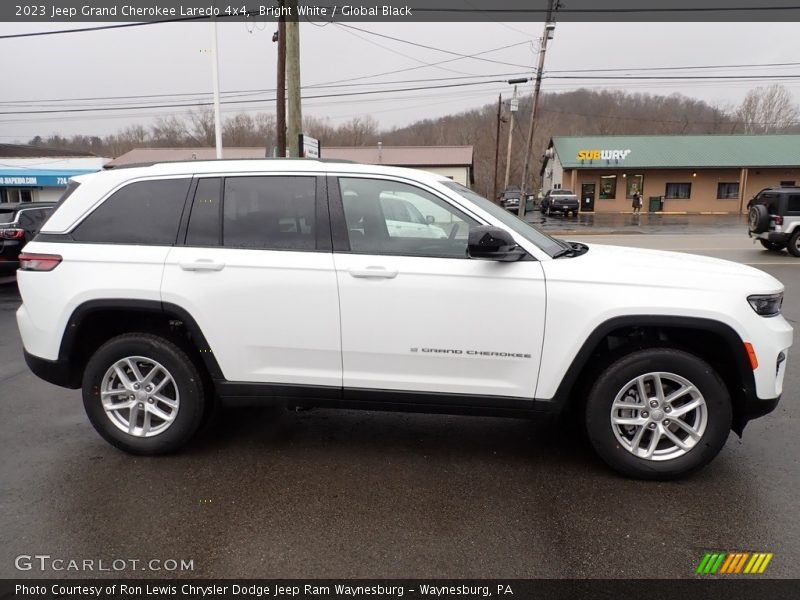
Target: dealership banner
[425, 589]
[401, 10]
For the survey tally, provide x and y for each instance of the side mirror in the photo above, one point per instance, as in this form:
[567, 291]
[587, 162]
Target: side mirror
[430, 220]
[493, 243]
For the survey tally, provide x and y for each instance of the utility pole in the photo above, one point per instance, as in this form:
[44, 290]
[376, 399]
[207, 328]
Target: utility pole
[513, 108]
[549, 26]
[280, 98]
[294, 125]
[497, 147]
[215, 75]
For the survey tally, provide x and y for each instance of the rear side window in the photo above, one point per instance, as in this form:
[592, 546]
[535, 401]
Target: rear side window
[145, 212]
[793, 203]
[204, 221]
[269, 212]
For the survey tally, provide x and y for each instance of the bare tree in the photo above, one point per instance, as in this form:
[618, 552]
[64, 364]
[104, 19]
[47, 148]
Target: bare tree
[169, 132]
[201, 127]
[767, 110]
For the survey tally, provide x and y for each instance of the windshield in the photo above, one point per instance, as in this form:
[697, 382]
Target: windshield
[530, 232]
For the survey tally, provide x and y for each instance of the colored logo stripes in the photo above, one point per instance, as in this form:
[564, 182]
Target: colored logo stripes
[728, 563]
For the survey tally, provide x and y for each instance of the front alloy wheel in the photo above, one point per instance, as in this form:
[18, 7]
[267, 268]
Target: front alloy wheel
[659, 416]
[658, 413]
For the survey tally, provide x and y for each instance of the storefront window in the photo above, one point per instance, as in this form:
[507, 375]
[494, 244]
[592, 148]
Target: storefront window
[728, 190]
[608, 187]
[635, 184]
[679, 190]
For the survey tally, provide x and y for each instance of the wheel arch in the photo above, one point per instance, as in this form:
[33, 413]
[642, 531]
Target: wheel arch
[714, 341]
[96, 321]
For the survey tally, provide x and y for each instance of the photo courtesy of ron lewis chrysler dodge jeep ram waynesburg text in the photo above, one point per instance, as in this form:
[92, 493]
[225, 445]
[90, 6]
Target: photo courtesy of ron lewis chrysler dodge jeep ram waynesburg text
[162, 290]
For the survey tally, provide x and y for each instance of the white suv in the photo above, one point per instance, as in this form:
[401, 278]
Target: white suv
[164, 289]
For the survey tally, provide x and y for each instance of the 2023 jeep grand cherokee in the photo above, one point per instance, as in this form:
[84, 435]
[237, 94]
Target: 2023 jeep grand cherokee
[163, 289]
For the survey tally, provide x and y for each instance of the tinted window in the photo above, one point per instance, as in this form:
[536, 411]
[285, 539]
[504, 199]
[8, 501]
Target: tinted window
[793, 203]
[31, 220]
[204, 222]
[146, 212]
[269, 212]
[388, 217]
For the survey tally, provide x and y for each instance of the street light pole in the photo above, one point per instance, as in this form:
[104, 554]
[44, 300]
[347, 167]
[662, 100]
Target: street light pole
[513, 109]
[549, 26]
[215, 75]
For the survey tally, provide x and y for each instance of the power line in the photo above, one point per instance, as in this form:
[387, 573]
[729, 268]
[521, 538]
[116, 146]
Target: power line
[100, 28]
[193, 104]
[417, 44]
[238, 93]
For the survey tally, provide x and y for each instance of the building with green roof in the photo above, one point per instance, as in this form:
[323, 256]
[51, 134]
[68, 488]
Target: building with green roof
[673, 173]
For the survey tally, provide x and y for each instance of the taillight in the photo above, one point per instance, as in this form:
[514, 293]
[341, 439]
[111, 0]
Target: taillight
[12, 234]
[778, 220]
[38, 262]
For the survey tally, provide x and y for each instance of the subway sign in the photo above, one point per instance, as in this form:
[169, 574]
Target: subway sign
[603, 154]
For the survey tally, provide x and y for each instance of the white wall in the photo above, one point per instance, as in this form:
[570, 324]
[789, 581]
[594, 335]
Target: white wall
[457, 174]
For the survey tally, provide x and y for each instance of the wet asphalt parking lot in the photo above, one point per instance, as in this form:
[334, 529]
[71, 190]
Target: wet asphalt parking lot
[357, 494]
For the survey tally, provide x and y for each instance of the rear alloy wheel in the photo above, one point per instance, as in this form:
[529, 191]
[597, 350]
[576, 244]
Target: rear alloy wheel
[772, 246]
[794, 243]
[143, 394]
[658, 414]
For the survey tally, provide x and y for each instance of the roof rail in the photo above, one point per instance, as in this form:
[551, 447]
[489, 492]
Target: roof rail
[193, 160]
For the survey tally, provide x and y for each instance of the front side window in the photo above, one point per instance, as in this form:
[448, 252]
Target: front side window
[389, 217]
[145, 212]
[727, 191]
[269, 212]
[679, 190]
[546, 243]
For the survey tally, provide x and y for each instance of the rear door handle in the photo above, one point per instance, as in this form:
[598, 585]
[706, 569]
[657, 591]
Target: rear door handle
[373, 273]
[201, 264]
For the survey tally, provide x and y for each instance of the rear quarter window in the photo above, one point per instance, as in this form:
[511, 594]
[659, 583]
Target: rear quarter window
[144, 212]
[793, 204]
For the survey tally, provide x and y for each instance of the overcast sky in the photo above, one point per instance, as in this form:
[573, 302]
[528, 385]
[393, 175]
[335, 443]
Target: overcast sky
[173, 58]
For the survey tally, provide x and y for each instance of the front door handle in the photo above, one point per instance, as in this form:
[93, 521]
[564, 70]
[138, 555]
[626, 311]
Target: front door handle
[373, 273]
[202, 264]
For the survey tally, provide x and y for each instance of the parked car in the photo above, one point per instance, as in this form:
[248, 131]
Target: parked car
[559, 201]
[162, 290]
[774, 219]
[511, 198]
[19, 223]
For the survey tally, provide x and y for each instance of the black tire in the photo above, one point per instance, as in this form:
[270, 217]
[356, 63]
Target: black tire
[616, 377]
[772, 246]
[758, 218]
[794, 243]
[191, 410]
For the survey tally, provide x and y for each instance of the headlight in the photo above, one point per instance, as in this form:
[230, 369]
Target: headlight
[766, 305]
